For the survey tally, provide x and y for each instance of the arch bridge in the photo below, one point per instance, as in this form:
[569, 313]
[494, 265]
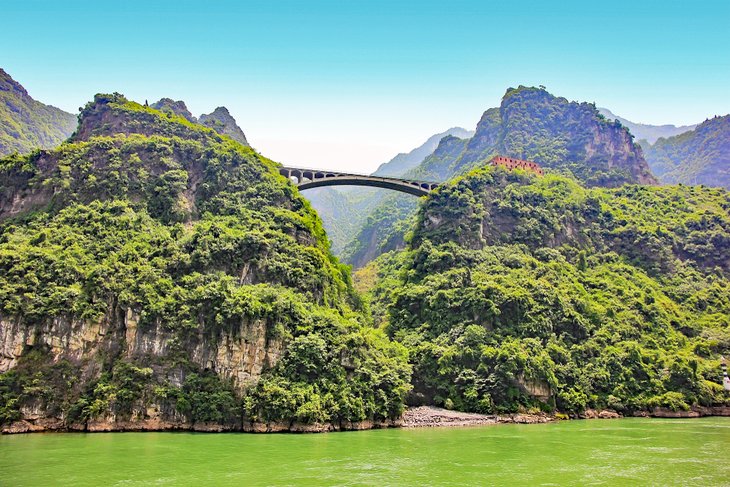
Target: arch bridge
[315, 178]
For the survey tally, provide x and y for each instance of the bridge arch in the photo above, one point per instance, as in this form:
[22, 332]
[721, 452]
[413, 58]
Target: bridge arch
[311, 178]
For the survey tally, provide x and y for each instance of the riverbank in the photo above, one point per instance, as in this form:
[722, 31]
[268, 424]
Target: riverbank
[414, 417]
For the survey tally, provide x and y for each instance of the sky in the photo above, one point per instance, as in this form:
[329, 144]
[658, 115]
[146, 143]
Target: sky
[349, 84]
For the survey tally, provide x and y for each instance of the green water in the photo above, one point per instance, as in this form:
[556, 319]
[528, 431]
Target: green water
[609, 452]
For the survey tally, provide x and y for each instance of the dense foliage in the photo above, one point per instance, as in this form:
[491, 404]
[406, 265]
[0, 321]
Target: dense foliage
[700, 156]
[522, 292]
[146, 214]
[27, 124]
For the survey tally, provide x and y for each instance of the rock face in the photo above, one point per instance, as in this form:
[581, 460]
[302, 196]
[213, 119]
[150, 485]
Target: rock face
[27, 124]
[240, 355]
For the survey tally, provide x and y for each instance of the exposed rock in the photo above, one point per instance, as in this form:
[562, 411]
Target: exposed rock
[222, 122]
[599, 414]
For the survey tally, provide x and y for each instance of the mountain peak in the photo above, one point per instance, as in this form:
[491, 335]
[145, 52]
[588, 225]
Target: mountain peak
[222, 122]
[7, 83]
[177, 107]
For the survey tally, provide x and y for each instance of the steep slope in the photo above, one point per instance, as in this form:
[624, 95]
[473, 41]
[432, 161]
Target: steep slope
[530, 124]
[700, 156]
[649, 133]
[518, 292]
[344, 210]
[155, 274]
[27, 124]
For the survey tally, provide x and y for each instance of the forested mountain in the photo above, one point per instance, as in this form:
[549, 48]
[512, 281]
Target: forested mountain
[519, 292]
[344, 210]
[647, 132]
[700, 156]
[27, 124]
[155, 274]
[532, 124]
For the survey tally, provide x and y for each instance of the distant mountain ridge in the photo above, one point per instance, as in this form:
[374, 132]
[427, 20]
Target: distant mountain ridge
[219, 119]
[699, 156]
[402, 163]
[27, 124]
[647, 132]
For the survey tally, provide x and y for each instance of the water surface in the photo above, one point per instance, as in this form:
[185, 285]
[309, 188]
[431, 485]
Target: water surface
[598, 452]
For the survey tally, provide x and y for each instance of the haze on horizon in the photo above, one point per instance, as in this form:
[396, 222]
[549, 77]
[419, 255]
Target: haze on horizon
[347, 85]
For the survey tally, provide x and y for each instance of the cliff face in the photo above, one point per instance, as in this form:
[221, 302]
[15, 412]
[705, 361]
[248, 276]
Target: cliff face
[27, 124]
[155, 274]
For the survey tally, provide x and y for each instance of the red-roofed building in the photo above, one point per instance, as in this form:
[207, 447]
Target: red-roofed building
[510, 164]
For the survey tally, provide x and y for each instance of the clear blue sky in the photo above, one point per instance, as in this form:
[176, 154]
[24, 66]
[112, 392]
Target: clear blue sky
[347, 84]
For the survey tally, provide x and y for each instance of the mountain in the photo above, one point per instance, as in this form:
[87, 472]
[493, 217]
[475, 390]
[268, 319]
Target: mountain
[700, 156]
[402, 163]
[532, 124]
[27, 124]
[219, 119]
[649, 133]
[155, 274]
[520, 292]
[344, 210]
[535, 125]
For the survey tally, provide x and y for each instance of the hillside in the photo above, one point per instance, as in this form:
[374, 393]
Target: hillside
[155, 274]
[562, 136]
[700, 156]
[647, 132]
[521, 292]
[27, 124]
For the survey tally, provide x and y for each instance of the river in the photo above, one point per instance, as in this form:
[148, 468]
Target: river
[592, 452]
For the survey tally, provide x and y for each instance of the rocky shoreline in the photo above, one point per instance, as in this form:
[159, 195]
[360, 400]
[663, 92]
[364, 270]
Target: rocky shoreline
[415, 417]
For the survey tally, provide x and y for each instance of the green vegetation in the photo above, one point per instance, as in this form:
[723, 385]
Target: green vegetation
[162, 231]
[700, 156]
[521, 292]
[26, 124]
